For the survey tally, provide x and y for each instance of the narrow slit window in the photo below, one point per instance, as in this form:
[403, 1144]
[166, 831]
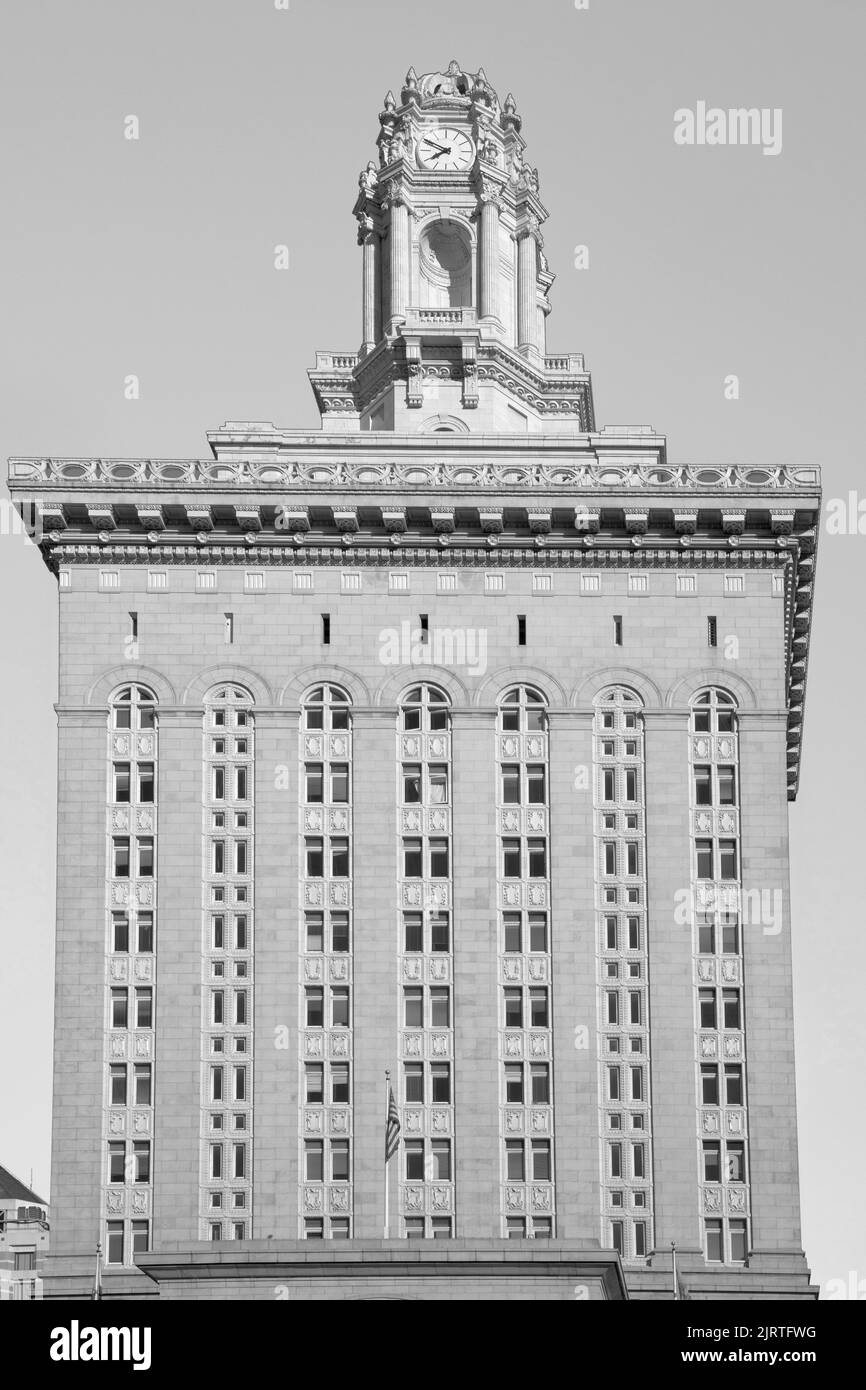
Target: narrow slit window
[617, 630]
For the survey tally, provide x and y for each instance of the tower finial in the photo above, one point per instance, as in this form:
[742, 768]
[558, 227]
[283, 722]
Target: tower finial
[390, 102]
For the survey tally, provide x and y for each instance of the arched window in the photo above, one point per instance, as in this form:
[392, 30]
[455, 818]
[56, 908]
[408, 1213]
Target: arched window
[426, 709]
[133, 707]
[327, 708]
[522, 710]
[446, 265]
[714, 712]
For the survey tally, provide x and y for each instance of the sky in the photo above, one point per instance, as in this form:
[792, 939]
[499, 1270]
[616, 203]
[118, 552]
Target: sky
[155, 257]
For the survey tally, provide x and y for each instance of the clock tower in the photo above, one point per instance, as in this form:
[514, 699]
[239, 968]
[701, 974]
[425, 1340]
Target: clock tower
[454, 277]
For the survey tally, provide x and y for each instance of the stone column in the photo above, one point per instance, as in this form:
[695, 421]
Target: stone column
[368, 239]
[399, 257]
[527, 274]
[489, 255]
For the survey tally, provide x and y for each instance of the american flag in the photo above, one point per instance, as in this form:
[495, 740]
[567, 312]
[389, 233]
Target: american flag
[392, 1127]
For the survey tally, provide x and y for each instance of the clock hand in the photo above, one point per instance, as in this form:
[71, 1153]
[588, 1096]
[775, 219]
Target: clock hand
[443, 149]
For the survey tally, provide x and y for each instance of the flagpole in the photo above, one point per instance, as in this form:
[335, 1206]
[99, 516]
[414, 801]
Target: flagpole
[674, 1269]
[387, 1160]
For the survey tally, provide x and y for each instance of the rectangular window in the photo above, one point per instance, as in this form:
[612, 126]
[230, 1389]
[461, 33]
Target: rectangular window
[339, 1160]
[216, 1083]
[314, 1160]
[117, 1162]
[734, 1085]
[413, 931]
[538, 1011]
[240, 1006]
[638, 1161]
[439, 859]
[640, 1237]
[634, 933]
[611, 934]
[339, 1007]
[617, 630]
[414, 1154]
[730, 936]
[613, 1083]
[709, 1085]
[114, 1243]
[141, 1156]
[314, 787]
[513, 1008]
[411, 784]
[142, 1093]
[704, 852]
[229, 628]
[634, 1006]
[537, 851]
[541, 1171]
[536, 789]
[314, 1083]
[511, 859]
[608, 784]
[315, 1007]
[612, 1006]
[515, 1227]
[631, 857]
[714, 1241]
[240, 1083]
[315, 928]
[326, 629]
[706, 934]
[712, 632]
[707, 1008]
[121, 782]
[437, 781]
[240, 856]
[414, 1227]
[703, 787]
[637, 1083]
[738, 1241]
[219, 857]
[610, 857]
[631, 784]
[145, 933]
[735, 1166]
[145, 858]
[339, 931]
[119, 931]
[539, 1074]
[441, 1160]
[615, 1158]
[440, 1008]
[440, 931]
[119, 1008]
[120, 847]
[510, 784]
[216, 1160]
[727, 786]
[511, 922]
[515, 1166]
[412, 859]
[731, 1008]
[339, 784]
[117, 1084]
[340, 1083]
[340, 858]
[514, 1083]
[413, 1083]
[239, 1160]
[315, 858]
[712, 1155]
[521, 629]
[314, 1226]
[727, 859]
[537, 931]
[440, 1083]
[413, 1007]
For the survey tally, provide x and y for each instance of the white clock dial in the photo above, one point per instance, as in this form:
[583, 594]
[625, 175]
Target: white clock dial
[446, 149]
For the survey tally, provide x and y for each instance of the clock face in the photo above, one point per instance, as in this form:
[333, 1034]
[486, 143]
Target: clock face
[445, 148]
